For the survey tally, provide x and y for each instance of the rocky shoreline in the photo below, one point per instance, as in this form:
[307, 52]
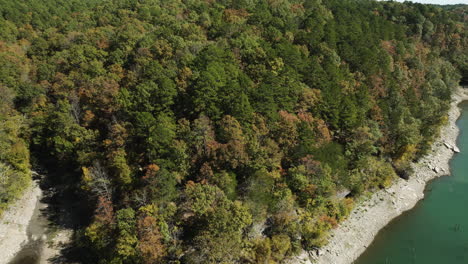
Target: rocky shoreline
[25, 234]
[15, 221]
[351, 238]
[346, 243]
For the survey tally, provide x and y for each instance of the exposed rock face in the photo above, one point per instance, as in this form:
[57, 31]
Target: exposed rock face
[454, 148]
[342, 194]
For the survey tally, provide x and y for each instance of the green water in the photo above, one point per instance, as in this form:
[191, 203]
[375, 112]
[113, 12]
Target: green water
[436, 230]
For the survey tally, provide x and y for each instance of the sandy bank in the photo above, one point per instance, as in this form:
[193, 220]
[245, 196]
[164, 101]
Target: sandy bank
[351, 238]
[14, 223]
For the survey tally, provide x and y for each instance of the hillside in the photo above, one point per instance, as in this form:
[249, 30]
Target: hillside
[220, 131]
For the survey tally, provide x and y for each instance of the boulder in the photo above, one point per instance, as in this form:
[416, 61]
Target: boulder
[456, 149]
[447, 145]
[342, 194]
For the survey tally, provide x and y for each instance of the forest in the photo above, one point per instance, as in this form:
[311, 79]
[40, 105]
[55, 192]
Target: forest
[220, 131]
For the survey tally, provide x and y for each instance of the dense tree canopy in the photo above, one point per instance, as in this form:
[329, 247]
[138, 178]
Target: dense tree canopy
[221, 131]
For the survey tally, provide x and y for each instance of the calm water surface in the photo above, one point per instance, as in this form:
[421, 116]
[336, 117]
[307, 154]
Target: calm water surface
[436, 230]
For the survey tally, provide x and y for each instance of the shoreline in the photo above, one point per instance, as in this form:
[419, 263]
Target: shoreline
[346, 242]
[24, 231]
[352, 237]
[15, 221]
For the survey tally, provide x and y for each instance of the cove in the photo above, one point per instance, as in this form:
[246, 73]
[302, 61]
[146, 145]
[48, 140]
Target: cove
[436, 230]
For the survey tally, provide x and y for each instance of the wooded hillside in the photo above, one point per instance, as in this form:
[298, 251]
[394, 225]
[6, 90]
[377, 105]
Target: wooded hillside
[220, 131]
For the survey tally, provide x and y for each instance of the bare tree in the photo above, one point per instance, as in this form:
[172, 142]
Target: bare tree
[100, 183]
[5, 172]
[141, 198]
[6, 98]
[75, 108]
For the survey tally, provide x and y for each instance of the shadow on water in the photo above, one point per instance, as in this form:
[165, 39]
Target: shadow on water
[59, 208]
[66, 210]
[36, 232]
[30, 253]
